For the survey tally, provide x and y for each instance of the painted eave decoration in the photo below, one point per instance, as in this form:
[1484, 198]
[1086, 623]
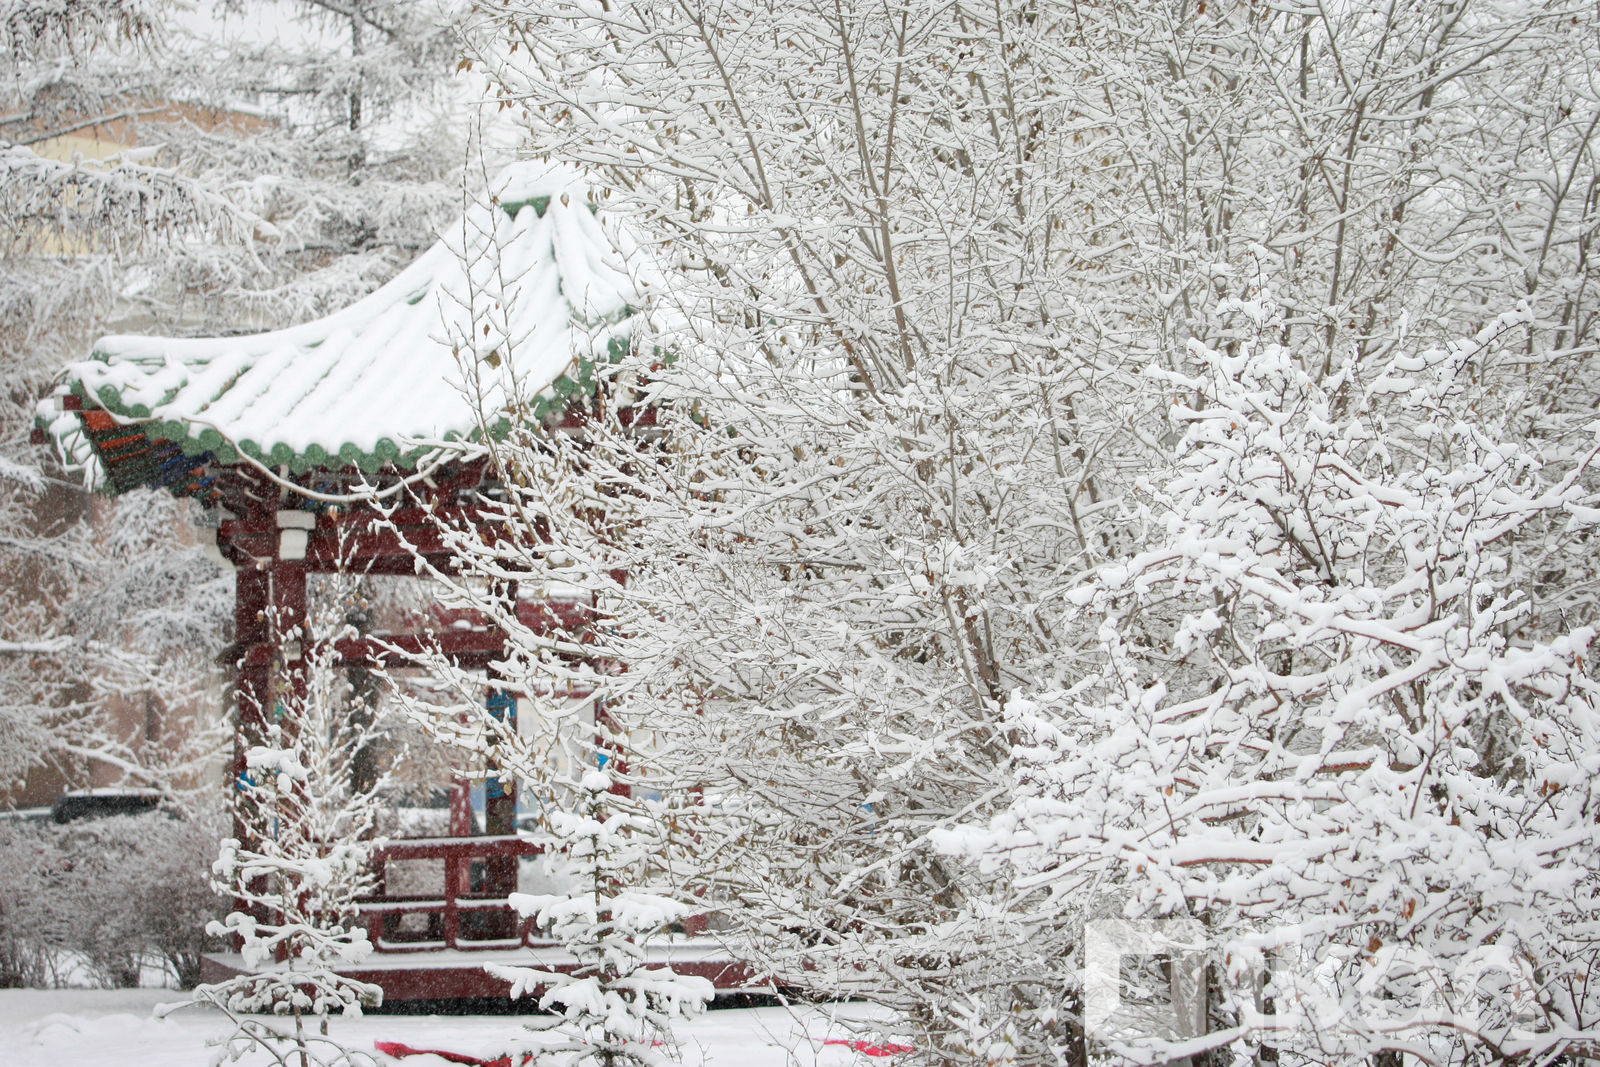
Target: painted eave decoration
[507, 314]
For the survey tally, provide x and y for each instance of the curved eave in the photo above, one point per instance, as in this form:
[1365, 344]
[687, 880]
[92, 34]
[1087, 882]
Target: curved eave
[194, 437]
[386, 380]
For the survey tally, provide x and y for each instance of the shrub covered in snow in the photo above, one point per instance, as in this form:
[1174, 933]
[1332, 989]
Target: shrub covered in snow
[105, 902]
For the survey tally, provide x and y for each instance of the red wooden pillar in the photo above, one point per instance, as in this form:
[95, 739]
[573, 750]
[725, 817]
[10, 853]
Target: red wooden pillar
[457, 876]
[287, 637]
[252, 680]
[268, 615]
[253, 669]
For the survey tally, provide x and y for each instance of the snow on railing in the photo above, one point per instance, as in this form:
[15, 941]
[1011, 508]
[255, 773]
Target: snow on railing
[490, 915]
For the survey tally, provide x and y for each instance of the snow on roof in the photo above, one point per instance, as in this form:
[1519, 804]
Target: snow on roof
[527, 290]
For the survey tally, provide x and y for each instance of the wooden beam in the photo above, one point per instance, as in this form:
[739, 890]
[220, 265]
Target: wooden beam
[462, 647]
[342, 543]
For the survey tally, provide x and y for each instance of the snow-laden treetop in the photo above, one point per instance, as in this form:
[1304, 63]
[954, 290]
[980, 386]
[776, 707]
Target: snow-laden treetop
[504, 315]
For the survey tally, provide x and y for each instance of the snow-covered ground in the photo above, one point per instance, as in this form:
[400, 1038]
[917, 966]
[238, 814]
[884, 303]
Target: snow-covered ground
[117, 1028]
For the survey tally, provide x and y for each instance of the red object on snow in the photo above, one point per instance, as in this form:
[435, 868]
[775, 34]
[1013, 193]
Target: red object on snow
[399, 1051]
[867, 1048]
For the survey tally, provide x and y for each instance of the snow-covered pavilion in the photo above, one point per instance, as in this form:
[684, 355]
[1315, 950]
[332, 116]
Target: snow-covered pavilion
[287, 436]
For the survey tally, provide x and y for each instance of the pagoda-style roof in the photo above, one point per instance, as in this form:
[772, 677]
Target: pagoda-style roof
[374, 383]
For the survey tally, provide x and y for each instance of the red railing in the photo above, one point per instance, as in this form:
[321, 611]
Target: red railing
[463, 920]
[486, 920]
